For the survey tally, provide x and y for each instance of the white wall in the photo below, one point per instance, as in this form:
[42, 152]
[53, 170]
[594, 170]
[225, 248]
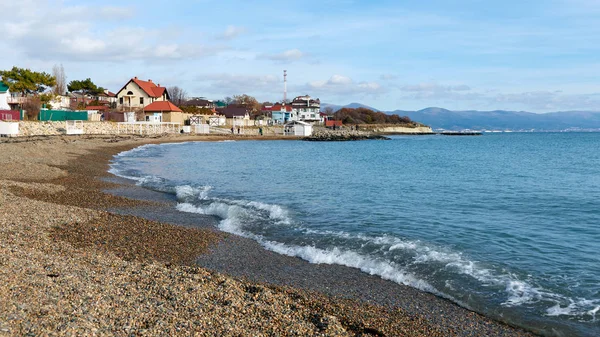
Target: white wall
[4, 101]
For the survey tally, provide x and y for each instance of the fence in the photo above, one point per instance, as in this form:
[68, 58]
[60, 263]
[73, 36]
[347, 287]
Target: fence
[10, 115]
[148, 127]
[61, 115]
[94, 117]
[202, 128]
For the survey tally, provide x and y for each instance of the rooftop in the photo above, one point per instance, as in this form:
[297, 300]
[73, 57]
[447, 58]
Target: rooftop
[161, 106]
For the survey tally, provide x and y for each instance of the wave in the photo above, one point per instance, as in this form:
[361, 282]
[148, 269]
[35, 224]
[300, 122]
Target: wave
[401, 260]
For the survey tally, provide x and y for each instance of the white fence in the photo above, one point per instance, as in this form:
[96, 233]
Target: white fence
[202, 128]
[74, 127]
[148, 127]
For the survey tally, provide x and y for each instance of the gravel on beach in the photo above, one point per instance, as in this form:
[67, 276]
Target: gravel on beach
[69, 267]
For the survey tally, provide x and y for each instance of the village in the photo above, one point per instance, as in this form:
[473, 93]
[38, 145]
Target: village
[146, 107]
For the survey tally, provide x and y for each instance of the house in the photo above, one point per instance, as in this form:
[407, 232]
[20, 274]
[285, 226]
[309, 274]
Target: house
[281, 114]
[4, 96]
[60, 102]
[307, 109]
[81, 101]
[200, 103]
[236, 116]
[297, 128]
[164, 112]
[138, 94]
[106, 97]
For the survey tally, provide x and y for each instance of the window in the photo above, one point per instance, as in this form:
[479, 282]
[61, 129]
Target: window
[142, 100]
[121, 100]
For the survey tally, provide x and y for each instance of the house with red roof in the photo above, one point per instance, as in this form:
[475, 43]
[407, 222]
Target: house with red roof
[151, 99]
[137, 94]
[281, 113]
[164, 111]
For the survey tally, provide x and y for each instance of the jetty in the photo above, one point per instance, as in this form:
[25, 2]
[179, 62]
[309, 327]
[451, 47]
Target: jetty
[459, 133]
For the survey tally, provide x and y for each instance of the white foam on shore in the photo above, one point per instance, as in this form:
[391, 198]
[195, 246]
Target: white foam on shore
[372, 266]
[581, 307]
[190, 193]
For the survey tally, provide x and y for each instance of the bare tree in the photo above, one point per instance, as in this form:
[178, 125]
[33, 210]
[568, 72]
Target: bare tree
[60, 88]
[177, 95]
[32, 106]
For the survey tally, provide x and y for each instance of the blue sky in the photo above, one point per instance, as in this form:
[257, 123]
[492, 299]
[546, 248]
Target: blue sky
[473, 54]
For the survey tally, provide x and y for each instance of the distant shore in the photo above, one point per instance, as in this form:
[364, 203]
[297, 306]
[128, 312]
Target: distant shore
[71, 267]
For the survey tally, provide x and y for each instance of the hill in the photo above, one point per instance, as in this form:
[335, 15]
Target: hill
[335, 107]
[439, 118]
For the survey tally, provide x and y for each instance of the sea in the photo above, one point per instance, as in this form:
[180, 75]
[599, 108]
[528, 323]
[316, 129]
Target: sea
[504, 224]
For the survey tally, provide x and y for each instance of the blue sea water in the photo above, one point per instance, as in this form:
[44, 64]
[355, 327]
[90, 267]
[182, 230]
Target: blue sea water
[507, 225]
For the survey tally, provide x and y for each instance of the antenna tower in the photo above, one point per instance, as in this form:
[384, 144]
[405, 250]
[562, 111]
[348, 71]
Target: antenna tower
[284, 86]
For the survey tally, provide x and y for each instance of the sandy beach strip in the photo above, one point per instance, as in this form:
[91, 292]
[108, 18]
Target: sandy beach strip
[69, 267]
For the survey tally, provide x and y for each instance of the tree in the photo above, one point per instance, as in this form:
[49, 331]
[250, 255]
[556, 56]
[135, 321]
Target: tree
[178, 96]
[228, 100]
[26, 81]
[248, 102]
[60, 87]
[85, 88]
[32, 106]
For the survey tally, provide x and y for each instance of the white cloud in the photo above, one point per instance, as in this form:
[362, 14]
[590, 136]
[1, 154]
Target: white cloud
[550, 100]
[233, 84]
[434, 91]
[541, 101]
[286, 56]
[340, 85]
[78, 33]
[231, 32]
[388, 77]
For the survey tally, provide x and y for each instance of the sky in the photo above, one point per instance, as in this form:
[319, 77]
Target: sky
[536, 56]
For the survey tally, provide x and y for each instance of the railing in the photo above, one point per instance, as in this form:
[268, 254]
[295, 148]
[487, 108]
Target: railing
[148, 127]
[16, 100]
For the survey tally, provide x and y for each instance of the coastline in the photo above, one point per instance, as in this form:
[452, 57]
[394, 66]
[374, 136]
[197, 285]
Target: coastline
[70, 266]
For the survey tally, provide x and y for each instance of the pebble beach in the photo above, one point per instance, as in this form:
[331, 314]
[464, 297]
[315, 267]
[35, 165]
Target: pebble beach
[70, 266]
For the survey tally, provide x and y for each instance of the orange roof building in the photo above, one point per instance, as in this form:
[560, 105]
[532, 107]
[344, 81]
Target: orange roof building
[161, 106]
[138, 94]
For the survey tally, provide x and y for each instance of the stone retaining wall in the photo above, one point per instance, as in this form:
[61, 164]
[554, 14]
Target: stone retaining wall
[36, 128]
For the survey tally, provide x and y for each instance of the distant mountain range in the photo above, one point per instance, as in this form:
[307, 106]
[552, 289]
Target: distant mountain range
[439, 118]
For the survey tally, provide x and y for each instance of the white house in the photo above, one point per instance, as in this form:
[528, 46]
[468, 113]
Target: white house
[307, 109]
[138, 94]
[4, 95]
[60, 102]
[297, 128]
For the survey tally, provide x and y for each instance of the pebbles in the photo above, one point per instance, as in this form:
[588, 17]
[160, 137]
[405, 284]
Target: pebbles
[67, 267]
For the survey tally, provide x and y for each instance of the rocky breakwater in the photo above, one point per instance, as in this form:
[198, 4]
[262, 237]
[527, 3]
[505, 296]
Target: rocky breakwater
[324, 135]
[390, 129]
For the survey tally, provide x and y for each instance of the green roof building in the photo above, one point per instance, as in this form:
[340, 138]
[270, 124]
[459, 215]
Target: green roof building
[3, 87]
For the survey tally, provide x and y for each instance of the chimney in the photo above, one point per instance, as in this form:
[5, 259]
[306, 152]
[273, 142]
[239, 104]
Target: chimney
[158, 85]
[135, 78]
[150, 81]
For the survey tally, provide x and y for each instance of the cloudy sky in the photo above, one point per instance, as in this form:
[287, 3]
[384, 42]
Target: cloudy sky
[466, 54]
